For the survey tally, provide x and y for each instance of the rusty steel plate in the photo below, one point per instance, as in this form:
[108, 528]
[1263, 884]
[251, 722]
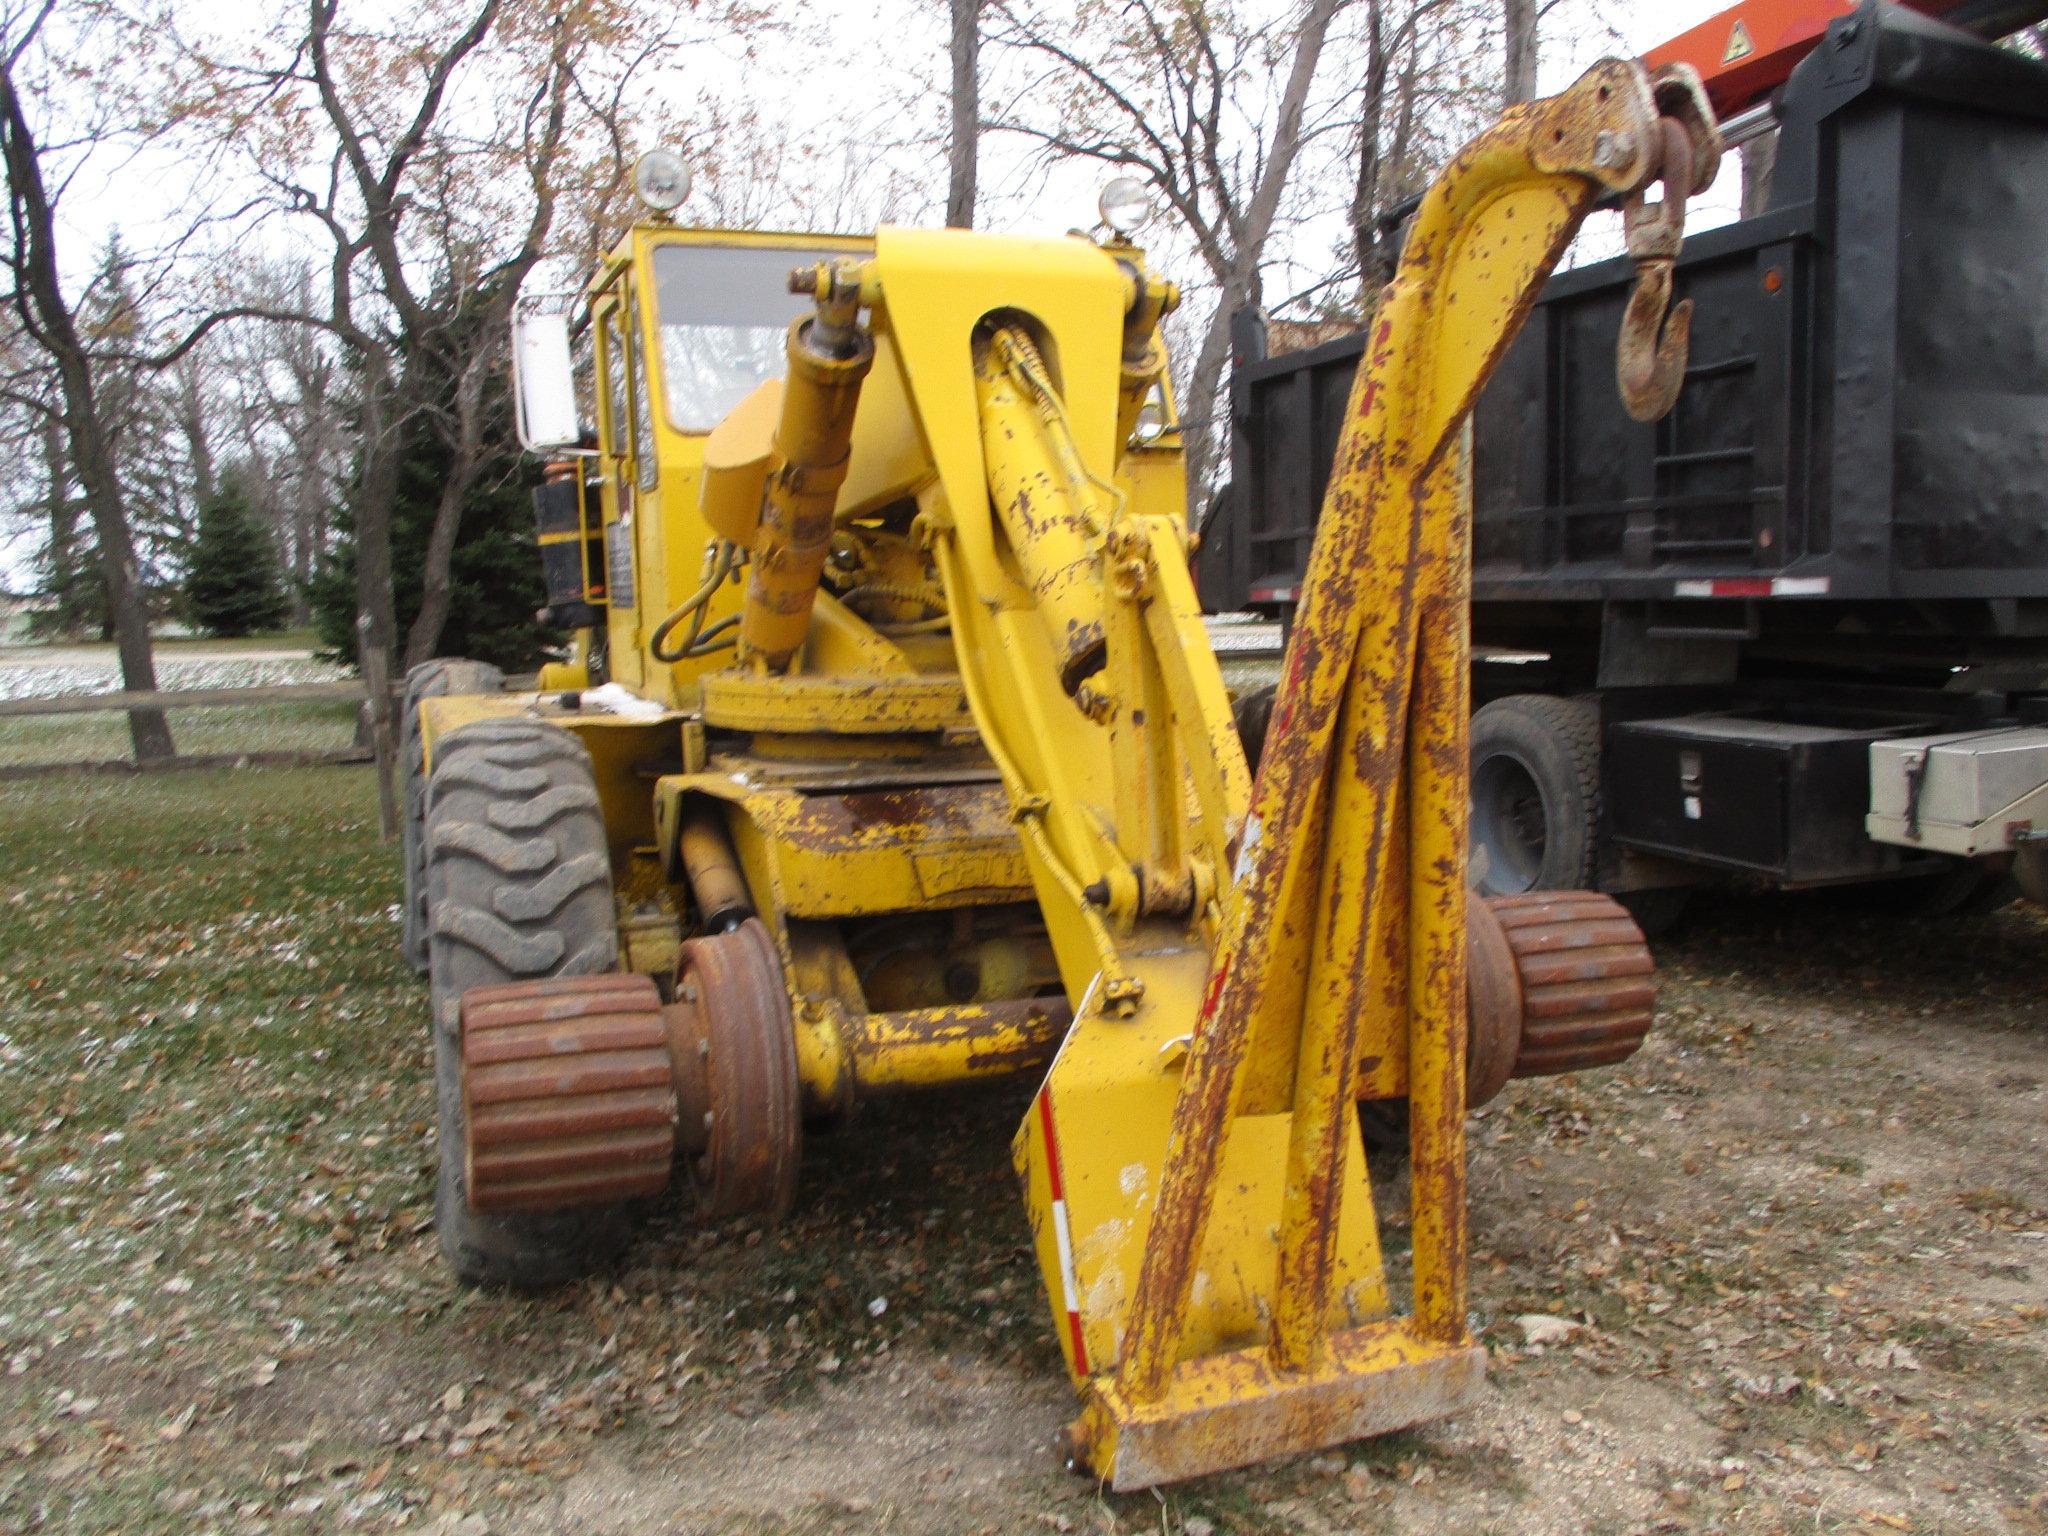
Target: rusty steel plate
[752, 1135]
[568, 1098]
[1589, 986]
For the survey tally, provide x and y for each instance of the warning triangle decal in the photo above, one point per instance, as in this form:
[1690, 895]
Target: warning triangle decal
[1739, 44]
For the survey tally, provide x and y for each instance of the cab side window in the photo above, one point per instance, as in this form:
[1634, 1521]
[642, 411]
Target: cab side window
[616, 417]
[643, 407]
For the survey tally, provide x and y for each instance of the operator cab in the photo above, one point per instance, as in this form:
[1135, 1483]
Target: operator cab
[676, 329]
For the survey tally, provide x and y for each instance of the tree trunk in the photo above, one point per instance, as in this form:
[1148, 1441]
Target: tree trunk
[1365, 188]
[305, 523]
[312, 441]
[1759, 159]
[192, 423]
[1519, 81]
[423, 639]
[376, 496]
[127, 601]
[1203, 408]
[54, 328]
[63, 510]
[963, 147]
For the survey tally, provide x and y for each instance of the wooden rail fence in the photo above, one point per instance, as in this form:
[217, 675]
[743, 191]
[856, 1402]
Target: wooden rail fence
[171, 699]
[377, 742]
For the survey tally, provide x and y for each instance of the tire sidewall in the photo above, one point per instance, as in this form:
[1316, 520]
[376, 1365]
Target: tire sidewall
[1536, 741]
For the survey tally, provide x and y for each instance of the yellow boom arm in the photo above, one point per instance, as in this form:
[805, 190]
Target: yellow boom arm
[1243, 961]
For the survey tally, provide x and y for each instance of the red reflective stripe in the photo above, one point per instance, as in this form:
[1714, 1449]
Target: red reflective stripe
[1052, 1147]
[1070, 1283]
[1080, 1344]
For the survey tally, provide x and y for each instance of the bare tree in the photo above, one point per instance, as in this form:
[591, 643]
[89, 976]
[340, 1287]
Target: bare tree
[449, 140]
[1426, 83]
[751, 172]
[298, 411]
[50, 318]
[192, 406]
[963, 144]
[1518, 25]
[1185, 94]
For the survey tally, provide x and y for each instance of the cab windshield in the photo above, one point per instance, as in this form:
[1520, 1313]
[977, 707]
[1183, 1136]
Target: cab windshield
[723, 310]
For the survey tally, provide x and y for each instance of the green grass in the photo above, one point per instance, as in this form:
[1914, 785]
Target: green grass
[305, 637]
[315, 726]
[216, 1171]
[211, 1069]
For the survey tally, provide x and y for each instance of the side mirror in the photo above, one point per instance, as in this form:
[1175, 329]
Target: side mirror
[544, 380]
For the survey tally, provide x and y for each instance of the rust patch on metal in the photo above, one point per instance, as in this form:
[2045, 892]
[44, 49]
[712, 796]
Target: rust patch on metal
[752, 1134]
[986, 1040]
[1493, 1003]
[1233, 1409]
[568, 1096]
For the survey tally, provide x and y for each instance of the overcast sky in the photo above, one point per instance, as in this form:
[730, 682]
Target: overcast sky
[846, 83]
[840, 84]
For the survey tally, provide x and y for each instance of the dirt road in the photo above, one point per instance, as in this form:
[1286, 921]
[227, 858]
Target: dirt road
[1786, 1271]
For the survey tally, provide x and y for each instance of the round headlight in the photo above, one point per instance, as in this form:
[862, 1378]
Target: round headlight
[1125, 204]
[661, 180]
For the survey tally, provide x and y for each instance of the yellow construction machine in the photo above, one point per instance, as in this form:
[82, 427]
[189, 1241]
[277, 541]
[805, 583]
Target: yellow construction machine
[893, 753]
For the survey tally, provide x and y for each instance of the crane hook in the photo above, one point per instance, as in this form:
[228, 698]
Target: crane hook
[1651, 355]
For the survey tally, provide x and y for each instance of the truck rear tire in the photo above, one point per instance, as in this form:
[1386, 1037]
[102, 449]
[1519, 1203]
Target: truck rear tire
[429, 680]
[519, 879]
[1253, 714]
[1658, 911]
[1535, 794]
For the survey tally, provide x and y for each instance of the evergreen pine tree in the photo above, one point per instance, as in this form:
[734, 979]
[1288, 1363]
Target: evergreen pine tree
[494, 577]
[232, 585]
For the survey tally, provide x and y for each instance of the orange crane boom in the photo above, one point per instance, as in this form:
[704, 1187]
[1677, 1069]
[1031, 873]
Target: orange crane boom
[1745, 52]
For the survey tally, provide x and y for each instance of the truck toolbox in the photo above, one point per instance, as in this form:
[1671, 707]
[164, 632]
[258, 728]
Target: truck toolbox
[1774, 797]
[1967, 792]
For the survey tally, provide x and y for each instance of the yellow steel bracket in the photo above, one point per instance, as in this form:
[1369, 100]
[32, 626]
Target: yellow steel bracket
[1193, 1168]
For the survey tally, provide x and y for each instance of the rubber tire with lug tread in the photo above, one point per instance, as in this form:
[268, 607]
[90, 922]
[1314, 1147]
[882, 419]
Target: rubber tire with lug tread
[429, 680]
[1536, 758]
[519, 881]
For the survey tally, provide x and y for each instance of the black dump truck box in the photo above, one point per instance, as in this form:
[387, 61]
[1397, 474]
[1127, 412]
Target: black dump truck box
[1865, 415]
[1804, 619]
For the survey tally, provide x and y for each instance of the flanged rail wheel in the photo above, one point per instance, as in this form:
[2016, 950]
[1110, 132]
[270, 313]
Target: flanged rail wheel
[1556, 981]
[520, 889]
[735, 1050]
[1561, 981]
[567, 1094]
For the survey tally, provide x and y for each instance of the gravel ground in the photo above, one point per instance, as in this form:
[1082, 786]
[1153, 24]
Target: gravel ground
[1786, 1271]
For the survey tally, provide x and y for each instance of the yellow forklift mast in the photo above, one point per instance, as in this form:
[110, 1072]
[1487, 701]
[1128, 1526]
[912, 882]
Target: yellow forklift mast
[893, 753]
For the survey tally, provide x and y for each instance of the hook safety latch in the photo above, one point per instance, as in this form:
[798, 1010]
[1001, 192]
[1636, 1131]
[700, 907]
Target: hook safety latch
[1651, 356]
